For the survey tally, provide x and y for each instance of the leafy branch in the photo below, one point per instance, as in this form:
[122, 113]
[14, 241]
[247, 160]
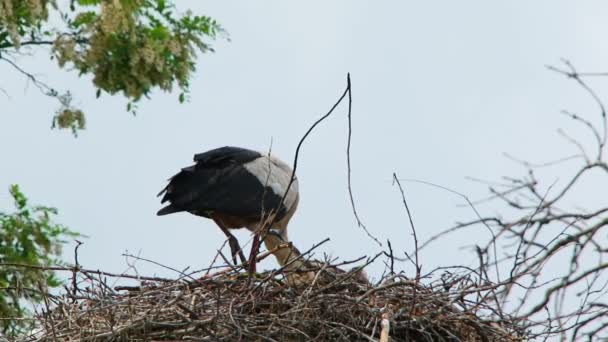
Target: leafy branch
[27, 236]
[129, 47]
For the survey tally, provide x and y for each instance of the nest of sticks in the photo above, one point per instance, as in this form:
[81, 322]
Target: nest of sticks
[232, 305]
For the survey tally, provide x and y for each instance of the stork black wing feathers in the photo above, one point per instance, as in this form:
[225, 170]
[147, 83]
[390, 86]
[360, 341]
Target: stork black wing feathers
[225, 155]
[219, 183]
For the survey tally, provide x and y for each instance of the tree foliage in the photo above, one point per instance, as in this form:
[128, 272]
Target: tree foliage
[28, 236]
[128, 46]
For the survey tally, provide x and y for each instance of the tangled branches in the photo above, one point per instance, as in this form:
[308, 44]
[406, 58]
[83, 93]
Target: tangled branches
[228, 306]
[552, 272]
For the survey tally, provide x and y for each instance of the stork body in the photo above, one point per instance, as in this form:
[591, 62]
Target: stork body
[237, 188]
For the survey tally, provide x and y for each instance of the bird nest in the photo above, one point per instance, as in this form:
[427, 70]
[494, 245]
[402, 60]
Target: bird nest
[232, 305]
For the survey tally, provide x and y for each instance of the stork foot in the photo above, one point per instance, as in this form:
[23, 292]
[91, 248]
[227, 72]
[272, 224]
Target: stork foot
[236, 250]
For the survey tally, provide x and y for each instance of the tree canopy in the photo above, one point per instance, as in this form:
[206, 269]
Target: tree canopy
[129, 47]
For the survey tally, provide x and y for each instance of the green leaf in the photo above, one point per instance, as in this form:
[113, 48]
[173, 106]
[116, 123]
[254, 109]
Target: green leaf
[89, 2]
[160, 5]
[159, 32]
[84, 18]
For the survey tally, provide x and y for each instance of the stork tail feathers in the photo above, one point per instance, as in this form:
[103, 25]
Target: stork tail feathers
[170, 209]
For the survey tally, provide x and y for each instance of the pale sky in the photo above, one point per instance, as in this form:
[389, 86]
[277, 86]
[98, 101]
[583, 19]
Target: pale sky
[441, 90]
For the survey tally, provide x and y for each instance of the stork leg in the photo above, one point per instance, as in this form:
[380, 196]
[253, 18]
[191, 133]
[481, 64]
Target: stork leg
[255, 247]
[235, 248]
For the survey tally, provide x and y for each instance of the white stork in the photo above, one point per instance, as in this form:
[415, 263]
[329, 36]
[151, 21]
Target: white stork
[237, 188]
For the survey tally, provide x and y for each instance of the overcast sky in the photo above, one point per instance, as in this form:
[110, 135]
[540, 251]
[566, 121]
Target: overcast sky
[440, 91]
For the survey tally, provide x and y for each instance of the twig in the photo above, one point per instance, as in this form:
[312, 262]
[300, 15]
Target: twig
[350, 190]
[76, 269]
